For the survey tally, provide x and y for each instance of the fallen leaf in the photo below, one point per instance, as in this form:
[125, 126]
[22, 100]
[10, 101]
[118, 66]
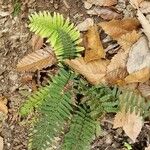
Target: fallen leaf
[105, 13]
[145, 7]
[116, 70]
[3, 107]
[84, 26]
[36, 42]
[144, 90]
[136, 3]
[93, 71]
[147, 148]
[1, 143]
[131, 123]
[36, 61]
[127, 40]
[103, 2]
[94, 48]
[145, 24]
[117, 76]
[139, 56]
[117, 28]
[142, 75]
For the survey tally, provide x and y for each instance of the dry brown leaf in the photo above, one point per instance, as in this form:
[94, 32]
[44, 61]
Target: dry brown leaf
[131, 123]
[117, 76]
[136, 3]
[142, 75]
[145, 7]
[36, 42]
[93, 71]
[93, 44]
[127, 40]
[105, 13]
[36, 61]
[144, 89]
[3, 107]
[103, 2]
[145, 24]
[116, 28]
[1, 143]
[116, 70]
[139, 56]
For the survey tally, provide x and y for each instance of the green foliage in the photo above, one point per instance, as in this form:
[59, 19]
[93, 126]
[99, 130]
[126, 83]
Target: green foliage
[101, 99]
[132, 101]
[54, 111]
[82, 131]
[61, 34]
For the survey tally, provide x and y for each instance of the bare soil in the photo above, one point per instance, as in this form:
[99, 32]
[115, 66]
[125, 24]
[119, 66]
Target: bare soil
[15, 41]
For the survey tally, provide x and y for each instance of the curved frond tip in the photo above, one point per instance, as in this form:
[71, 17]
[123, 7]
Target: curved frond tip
[62, 35]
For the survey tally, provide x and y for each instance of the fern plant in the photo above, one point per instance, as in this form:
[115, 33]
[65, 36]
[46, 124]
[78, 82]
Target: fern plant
[61, 34]
[82, 105]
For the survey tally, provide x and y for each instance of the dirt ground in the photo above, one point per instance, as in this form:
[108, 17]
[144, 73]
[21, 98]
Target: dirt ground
[15, 40]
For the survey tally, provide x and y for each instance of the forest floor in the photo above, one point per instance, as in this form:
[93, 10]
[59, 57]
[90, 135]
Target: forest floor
[15, 42]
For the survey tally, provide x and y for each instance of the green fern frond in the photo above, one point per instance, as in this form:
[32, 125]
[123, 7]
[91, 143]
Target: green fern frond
[55, 110]
[35, 100]
[82, 131]
[132, 101]
[101, 99]
[61, 34]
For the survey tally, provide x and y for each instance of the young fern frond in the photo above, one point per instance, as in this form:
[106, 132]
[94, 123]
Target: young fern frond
[54, 111]
[132, 101]
[61, 34]
[35, 100]
[82, 131]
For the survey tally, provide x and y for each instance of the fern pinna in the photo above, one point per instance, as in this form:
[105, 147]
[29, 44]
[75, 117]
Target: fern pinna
[61, 34]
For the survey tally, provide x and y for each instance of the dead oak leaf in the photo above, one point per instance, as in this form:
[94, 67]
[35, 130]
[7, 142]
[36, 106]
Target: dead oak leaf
[145, 24]
[130, 122]
[105, 13]
[127, 40]
[36, 61]
[139, 56]
[93, 45]
[36, 42]
[117, 28]
[103, 2]
[142, 76]
[93, 71]
[116, 70]
[3, 107]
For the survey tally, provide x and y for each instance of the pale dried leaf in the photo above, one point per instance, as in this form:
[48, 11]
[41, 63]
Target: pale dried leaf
[136, 3]
[145, 7]
[1, 143]
[36, 61]
[142, 76]
[117, 28]
[116, 76]
[144, 89]
[103, 2]
[93, 71]
[105, 13]
[145, 24]
[94, 48]
[84, 26]
[127, 40]
[131, 123]
[36, 42]
[139, 56]
[3, 107]
[147, 148]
